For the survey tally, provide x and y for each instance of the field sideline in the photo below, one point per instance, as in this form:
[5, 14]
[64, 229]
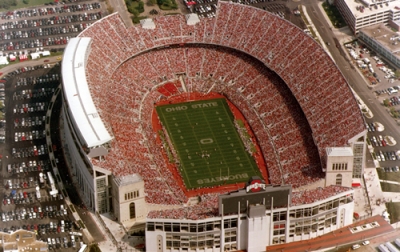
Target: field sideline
[209, 149]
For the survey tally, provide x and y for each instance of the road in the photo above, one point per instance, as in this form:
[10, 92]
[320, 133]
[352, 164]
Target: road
[351, 73]
[120, 7]
[30, 63]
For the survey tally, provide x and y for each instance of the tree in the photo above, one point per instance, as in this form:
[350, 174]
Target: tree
[6, 4]
[397, 74]
[95, 248]
[140, 7]
[386, 102]
[110, 9]
[25, 1]
[167, 4]
[133, 10]
[394, 112]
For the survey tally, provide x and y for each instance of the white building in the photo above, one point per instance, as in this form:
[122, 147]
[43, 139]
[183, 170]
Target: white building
[360, 14]
[383, 41]
[21, 240]
[339, 168]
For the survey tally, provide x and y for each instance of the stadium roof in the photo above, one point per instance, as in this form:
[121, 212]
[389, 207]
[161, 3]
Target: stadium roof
[148, 23]
[385, 37]
[372, 7]
[128, 179]
[192, 19]
[340, 151]
[77, 93]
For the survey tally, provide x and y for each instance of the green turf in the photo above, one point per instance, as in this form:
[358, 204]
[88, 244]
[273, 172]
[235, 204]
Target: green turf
[209, 148]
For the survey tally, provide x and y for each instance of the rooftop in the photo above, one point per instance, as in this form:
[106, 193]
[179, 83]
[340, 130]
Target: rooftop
[367, 7]
[192, 19]
[22, 240]
[384, 36]
[128, 179]
[77, 94]
[339, 151]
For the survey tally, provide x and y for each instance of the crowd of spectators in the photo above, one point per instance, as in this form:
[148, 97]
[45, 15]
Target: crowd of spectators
[317, 194]
[206, 208]
[294, 119]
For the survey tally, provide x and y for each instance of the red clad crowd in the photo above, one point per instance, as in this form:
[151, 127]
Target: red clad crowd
[291, 121]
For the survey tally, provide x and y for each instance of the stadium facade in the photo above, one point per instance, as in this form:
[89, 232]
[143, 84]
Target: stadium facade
[110, 84]
[267, 218]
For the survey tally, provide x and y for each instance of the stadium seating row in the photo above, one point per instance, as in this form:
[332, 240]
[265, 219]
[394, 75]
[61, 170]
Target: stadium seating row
[205, 209]
[318, 194]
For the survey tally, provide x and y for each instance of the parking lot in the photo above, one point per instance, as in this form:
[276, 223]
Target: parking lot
[383, 147]
[49, 26]
[30, 199]
[383, 82]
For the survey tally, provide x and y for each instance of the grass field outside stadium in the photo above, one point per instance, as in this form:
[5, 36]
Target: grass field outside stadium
[20, 4]
[208, 147]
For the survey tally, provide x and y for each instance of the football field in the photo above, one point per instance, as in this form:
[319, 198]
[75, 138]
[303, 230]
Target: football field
[209, 148]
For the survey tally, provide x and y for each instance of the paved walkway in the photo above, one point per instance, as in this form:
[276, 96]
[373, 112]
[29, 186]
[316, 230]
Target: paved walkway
[120, 7]
[124, 241]
[390, 182]
[108, 243]
[312, 27]
[373, 189]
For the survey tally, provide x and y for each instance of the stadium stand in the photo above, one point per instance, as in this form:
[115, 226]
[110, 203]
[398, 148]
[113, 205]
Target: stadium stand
[207, 206]
[127, 68]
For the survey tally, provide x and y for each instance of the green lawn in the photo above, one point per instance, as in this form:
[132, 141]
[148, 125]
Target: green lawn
[394, 211]
[208, 146]
[390, 176]
[388, 187]
[31, 3]
[167, 4]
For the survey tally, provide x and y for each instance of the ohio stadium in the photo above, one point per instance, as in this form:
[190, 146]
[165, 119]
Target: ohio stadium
[230, 133]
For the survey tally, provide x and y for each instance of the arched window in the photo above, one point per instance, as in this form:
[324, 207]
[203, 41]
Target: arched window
[132, 211]
[339, 179]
